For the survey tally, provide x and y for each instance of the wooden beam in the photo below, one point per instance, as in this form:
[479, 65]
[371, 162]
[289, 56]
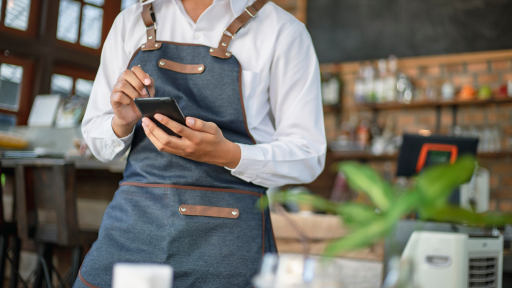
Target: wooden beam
[446, 59]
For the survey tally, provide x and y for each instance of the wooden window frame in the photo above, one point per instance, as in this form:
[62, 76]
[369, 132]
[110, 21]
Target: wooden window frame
[75, 74]
[33, 20]
[25, 89]
[110, 11]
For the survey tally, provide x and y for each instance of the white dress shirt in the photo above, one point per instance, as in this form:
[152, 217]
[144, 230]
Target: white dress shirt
[280, 83]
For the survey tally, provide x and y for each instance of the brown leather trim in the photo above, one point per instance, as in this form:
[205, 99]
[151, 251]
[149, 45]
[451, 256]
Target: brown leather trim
[222, 51]
[243, 106]
[146, 15]
[189, 188]
[250, 12]
[133, 56]
[150, 29]
[181, 68]
[84, 281]
[208, 211]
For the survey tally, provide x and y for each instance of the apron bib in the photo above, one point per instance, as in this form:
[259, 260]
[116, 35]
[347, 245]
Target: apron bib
[194, 216]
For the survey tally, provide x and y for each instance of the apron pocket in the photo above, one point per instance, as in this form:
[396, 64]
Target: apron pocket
[181, 68]
[209, 211]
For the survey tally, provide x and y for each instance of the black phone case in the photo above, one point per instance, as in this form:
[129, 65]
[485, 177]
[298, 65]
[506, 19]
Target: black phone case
[148, 107]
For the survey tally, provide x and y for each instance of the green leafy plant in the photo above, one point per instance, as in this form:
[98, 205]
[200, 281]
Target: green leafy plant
[370, 223]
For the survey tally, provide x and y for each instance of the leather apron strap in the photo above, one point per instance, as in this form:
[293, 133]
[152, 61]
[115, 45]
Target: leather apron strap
[148, 16]
[250, 12]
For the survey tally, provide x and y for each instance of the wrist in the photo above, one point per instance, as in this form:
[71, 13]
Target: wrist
[234, 156]
[120, 128]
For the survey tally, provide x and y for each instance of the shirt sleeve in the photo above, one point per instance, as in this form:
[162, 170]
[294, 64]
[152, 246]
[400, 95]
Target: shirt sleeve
[97, 123]
[297, 153]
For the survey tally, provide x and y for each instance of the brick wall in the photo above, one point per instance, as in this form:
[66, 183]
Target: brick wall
[481, 68]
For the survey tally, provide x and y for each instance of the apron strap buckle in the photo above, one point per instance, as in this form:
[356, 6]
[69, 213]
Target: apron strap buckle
[149, 21]
[250, 12]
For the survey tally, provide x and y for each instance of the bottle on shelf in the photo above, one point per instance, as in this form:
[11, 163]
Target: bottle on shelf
[363, 135]
[447, 91]
[359, 92]
[369, 80]
[331, 88]
[405, 89]
[380, 81]
[390, 89]
[468, 92]
[509, 85]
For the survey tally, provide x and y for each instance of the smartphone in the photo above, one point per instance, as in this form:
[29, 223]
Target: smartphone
[166, 106]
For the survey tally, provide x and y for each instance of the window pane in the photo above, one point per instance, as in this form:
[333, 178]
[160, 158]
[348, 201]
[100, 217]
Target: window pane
[62, 85]
[16, 14]
[10, 79]
[83, 87]
[126, 3]
[7, 120]
[92, 20]
[69, 16]
[95, 2]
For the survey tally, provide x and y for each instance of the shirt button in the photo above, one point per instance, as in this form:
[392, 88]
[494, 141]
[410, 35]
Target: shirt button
[197, 35]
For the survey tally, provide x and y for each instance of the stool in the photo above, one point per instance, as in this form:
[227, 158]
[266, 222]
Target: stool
[8, 230]
[47, 213]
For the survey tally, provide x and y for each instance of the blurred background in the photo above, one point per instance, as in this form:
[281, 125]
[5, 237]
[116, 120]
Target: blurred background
[388, 67]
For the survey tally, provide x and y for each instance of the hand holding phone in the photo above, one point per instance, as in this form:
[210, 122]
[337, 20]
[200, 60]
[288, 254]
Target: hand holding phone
[130, 85]
[166, 106]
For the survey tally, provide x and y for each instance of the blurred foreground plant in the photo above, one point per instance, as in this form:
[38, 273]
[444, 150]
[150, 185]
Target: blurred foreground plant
[428, 197]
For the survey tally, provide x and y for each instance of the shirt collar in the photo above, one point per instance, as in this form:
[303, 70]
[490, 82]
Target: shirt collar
[237, 6]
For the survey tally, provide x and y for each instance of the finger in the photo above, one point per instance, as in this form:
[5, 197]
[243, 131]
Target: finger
[176, 127]
[200, 125]
[153, 139]
[121, 98]
[142, 76]
[124, 87]
[134, 80]
[163, 138]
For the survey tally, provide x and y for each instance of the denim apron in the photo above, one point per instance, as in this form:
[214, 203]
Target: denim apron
[194, 216]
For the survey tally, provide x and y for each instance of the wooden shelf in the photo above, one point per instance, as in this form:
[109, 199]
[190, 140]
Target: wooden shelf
[365, 156]
[426, 104]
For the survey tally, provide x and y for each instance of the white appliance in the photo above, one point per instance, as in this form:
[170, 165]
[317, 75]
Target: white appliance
[475, 193]
[455, 260]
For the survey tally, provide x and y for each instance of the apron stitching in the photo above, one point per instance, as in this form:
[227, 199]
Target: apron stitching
[85, 281]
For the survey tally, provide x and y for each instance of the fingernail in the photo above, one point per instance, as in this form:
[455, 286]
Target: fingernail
[147, 81]
[144, 121]
[158, 117]
[190, 121]
[144, 126]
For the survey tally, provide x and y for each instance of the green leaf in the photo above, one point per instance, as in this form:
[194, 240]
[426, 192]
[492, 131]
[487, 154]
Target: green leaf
[355, 215]
[317, 202]
[462, 216]
[359, 238]
[436, 183]
[376, 229]
[363, 178]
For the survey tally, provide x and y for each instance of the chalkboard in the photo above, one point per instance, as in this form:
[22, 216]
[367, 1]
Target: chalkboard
[349, 30]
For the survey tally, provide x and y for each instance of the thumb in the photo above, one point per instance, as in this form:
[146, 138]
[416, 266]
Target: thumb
[200, 125]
